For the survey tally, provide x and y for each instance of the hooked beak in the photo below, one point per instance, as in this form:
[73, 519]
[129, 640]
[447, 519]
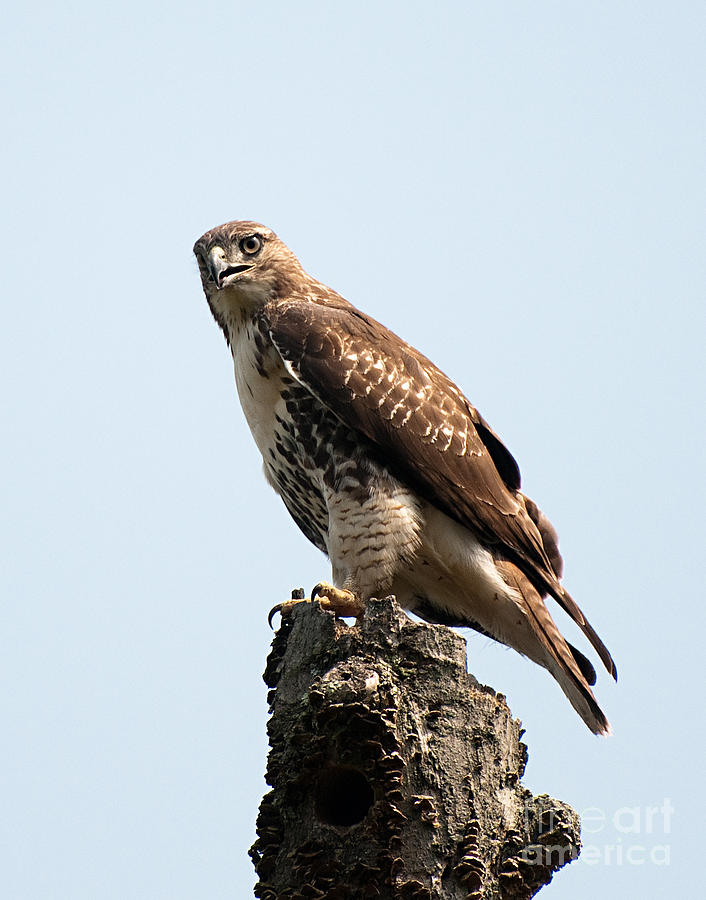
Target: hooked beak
[221, 271]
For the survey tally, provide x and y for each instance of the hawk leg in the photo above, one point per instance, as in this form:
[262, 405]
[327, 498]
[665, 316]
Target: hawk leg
[338, 600]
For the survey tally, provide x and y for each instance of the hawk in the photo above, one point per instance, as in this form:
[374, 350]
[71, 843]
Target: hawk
[385, 465]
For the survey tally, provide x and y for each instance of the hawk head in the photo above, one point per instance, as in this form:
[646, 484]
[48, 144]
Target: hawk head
[244, 264]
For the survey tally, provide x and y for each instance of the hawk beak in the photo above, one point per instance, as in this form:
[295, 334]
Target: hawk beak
[217, 264]
[221, 272]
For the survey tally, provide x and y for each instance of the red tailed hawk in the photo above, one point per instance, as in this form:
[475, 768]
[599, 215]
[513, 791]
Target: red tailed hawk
[385, 465]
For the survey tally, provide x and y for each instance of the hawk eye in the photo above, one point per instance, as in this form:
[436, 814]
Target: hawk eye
[251, 245]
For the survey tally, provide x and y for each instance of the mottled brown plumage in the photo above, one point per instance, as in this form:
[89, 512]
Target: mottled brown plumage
[384, 464]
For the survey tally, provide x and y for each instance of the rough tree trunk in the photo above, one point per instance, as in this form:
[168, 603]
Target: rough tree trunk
[394, 773]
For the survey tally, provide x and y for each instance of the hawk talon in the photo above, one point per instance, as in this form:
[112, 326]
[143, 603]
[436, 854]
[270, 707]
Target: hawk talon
[336, 600]
[273, 612]
[339, 600]
[318, 591]
[297, 597]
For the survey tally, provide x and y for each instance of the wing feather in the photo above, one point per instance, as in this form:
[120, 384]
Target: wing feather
[425, 429]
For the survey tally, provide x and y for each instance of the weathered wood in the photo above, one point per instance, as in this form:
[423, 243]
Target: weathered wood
[394, 773]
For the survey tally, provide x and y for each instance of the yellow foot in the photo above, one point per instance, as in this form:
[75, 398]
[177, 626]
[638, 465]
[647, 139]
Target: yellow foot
[338, 600]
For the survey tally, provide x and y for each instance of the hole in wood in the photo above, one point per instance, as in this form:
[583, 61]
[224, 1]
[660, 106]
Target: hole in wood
[343, 796]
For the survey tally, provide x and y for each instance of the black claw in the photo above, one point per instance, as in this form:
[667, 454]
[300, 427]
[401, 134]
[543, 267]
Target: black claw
[297, 594]
[273, 612]
[316, 590]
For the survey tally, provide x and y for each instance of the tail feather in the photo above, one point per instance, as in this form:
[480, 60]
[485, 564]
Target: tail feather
[569, 605]
[547, 646]
[586, 666]
[550, 542]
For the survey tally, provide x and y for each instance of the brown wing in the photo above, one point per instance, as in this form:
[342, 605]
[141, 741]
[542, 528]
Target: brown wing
[427, 431]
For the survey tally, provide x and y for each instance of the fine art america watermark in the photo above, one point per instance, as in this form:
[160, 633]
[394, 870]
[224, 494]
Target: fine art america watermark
[631, 835]
[627, 836]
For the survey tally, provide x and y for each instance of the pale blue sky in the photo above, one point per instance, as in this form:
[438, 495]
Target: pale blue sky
[517, 189]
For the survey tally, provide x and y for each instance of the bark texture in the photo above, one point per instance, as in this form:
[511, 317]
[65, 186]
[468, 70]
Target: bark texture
[394, 773]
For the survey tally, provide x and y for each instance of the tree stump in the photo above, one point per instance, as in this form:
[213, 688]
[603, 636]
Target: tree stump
[394, 773]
